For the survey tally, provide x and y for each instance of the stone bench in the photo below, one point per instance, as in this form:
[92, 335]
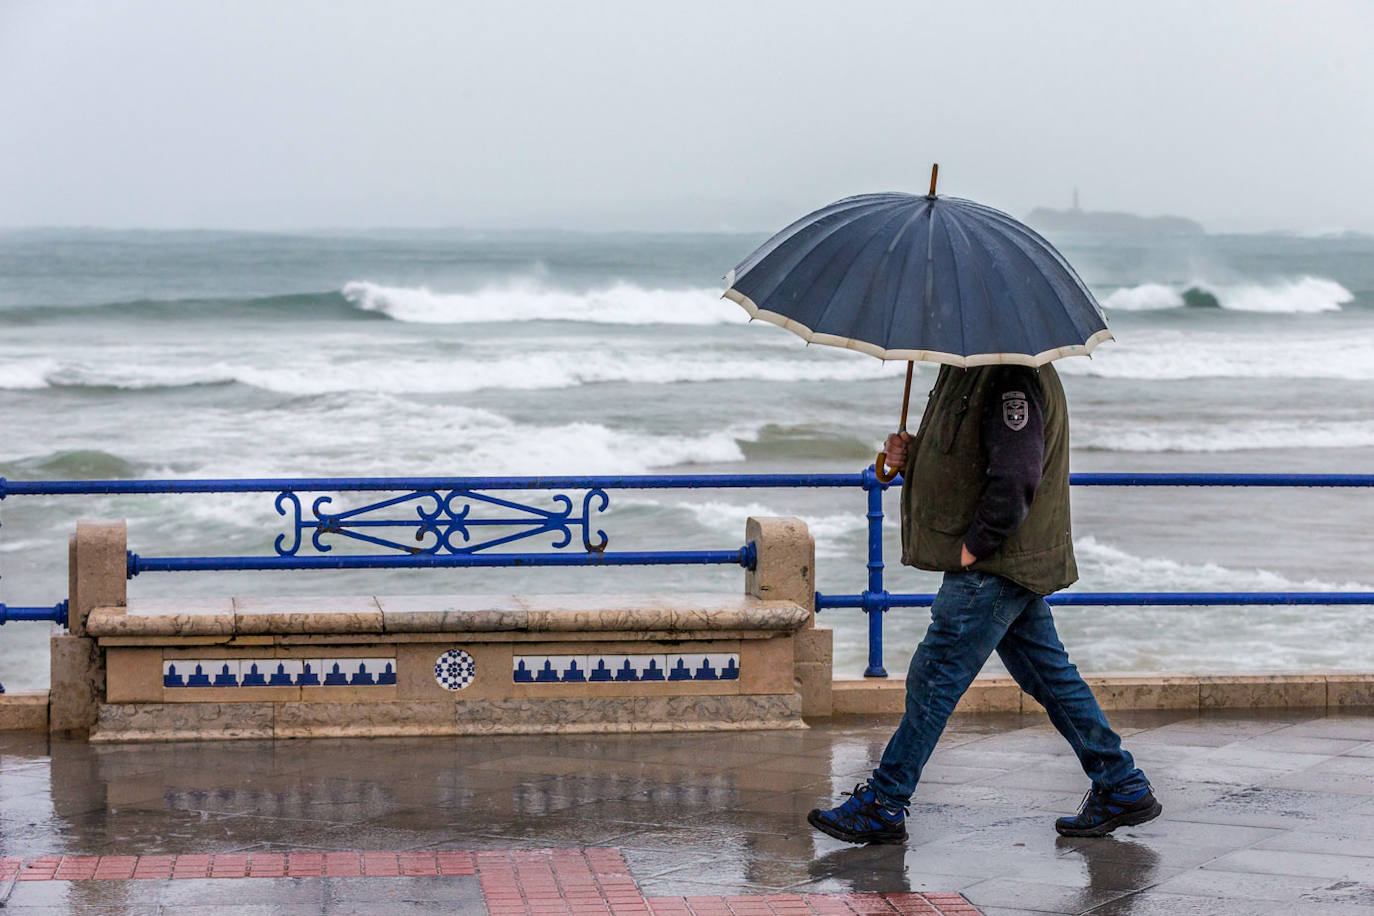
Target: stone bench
[174, 669]
[422, 665]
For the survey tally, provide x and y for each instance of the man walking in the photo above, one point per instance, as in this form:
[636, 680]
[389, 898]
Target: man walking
[985, 500]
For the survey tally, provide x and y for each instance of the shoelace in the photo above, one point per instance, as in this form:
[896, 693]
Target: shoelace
[850, 810]
[1095, 802]
[1089, 799]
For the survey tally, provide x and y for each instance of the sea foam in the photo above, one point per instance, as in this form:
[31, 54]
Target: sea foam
[524, 300]
[1101, 562]
[1292, 295]
[1170, 354]
[26, 375]
[387, 371]
[1161, 436]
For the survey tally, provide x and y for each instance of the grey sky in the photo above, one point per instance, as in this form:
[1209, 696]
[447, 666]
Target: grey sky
[610, 114]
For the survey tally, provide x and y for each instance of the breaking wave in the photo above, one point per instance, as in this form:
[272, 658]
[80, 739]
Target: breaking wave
[1293, 295]
[518, 300]
[1101, 562]
[1196, 438]
[1170, 354]
[619, 303]
[411, 374]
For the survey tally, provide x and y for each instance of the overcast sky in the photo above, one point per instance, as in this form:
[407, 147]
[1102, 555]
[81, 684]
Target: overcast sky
[696, 115]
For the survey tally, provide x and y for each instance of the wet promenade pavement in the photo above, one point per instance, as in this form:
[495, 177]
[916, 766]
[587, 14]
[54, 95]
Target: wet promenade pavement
[1265, 812]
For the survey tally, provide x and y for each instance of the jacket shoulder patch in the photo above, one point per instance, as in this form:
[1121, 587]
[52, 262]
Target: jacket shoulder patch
[1015, 410]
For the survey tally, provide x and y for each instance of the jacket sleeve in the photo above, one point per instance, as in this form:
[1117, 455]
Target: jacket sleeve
[1014, 445]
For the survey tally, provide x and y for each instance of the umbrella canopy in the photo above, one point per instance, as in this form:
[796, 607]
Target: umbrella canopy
[905, 276]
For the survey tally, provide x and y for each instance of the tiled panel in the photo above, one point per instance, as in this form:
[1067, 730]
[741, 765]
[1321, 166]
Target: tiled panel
[278, 672]
[609, 669]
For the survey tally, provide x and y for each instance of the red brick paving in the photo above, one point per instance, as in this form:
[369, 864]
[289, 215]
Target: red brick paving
[535, 882]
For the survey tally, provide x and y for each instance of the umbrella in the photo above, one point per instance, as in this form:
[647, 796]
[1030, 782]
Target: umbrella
[921, 277]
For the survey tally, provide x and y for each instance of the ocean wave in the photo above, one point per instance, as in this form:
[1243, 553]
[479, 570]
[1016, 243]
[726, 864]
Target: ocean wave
[514, 300]
[74, 464]
[522, 300]
[837, 535]
[26, 375]
[1292, 295]
[387, 372]
[442, 439]
[327, 305]
[1171, 355]
[1232, 436]
[1101, 562]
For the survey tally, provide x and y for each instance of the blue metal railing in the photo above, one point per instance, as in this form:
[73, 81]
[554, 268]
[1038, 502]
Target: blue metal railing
[442, 529]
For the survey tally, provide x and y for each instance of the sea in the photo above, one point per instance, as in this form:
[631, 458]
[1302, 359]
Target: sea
[148, 354]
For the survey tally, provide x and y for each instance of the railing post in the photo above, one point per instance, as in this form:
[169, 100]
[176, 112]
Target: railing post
[785, 569]
[875, 597]
[96, 578]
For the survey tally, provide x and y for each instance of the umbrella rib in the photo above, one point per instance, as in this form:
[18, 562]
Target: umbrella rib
[1020, 232]
[987, 294]
[930, 278]
[845, 207]
[1007, 235]
[801, 254]
[982, 282]
[820, 319]
[892, 315]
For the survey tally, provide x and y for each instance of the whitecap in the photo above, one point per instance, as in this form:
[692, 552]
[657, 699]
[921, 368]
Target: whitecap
[526, 300]
[1304, 294]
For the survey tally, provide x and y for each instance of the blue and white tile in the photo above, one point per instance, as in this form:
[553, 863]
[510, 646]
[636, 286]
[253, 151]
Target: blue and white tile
[639, 665]
[652, 667]
[601, 668]
[311, 673]
[682, 666]
[552, 669]
[253, 672]
[224, 672]
[282, 672]
[523, 669]
[175, 671]
[725, 666]
[335, 672]
[572, 668]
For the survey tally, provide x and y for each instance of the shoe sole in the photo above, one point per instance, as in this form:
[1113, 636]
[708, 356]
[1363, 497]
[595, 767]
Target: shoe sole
[1125, 819]
[872, 838]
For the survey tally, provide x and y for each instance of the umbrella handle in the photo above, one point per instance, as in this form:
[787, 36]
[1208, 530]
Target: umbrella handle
[885, 474]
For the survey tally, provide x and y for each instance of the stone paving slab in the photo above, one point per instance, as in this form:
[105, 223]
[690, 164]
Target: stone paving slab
[576, 882]
[1265, 813]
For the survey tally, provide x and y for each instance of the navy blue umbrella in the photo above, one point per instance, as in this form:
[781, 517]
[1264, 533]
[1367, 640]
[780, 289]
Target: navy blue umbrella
[906, 276]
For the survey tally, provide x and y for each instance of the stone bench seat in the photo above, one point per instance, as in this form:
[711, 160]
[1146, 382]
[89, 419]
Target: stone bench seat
[483, 617]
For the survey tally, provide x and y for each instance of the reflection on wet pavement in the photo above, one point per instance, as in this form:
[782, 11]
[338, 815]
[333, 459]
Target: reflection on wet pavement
[1263, 812]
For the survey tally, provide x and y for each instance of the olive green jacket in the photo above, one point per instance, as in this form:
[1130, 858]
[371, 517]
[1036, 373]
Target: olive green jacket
[946, 472]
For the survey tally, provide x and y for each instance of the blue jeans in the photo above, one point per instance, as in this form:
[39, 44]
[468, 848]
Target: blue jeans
[974, 613]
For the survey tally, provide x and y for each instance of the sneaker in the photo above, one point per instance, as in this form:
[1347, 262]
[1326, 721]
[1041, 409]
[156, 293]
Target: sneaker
[861, 819]
[1104, 811]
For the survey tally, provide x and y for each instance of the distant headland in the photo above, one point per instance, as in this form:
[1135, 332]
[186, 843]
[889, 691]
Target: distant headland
[1115, 223]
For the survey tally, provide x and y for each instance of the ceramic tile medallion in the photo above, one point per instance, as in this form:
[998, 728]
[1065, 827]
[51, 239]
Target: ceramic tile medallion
[593, 669]
[455, 669]
[278, 672]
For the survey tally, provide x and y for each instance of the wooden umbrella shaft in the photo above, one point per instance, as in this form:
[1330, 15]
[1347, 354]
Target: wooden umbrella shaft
[906, 395]
[886, 474]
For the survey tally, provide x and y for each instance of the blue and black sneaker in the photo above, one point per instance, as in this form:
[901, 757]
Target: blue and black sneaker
[861, 819]
[1103, 811]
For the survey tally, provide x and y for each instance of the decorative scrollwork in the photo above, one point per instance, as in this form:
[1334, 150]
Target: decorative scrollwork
[443, 523]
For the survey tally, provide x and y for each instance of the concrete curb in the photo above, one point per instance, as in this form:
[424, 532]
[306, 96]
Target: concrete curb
[1307, 690]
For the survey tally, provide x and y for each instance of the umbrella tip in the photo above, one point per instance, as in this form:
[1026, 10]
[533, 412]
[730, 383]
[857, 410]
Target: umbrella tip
[934, 173]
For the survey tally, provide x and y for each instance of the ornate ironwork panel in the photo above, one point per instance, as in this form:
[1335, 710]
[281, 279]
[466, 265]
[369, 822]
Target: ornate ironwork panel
[441, 522]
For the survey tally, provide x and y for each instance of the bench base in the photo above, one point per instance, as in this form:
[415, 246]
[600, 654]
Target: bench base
[571, 715]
